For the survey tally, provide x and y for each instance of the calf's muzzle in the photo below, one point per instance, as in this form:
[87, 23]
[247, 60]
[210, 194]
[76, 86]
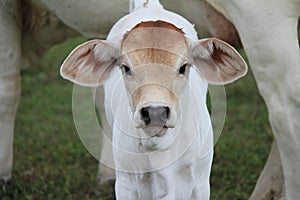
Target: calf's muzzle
[155, 116]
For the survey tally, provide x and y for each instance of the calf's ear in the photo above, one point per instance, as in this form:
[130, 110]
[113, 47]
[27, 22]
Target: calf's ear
[218, 62]
[89, 64]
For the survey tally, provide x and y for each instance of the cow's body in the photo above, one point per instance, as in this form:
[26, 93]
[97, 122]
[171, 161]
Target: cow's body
[268, 31]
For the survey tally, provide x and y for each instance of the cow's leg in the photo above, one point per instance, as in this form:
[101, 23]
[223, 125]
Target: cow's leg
[268, 32]
[270, 182]
[105, 171]
[9, 88]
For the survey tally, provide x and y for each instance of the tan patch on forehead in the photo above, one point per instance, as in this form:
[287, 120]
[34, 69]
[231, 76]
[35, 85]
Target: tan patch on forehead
[158, 24]
[158, 56]
[154, 42]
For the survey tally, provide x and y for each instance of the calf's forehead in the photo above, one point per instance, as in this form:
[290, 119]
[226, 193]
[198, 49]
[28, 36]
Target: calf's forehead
[154, 42]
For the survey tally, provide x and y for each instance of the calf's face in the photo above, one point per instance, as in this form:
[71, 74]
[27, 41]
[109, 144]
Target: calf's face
[155, 58]
[155, 64]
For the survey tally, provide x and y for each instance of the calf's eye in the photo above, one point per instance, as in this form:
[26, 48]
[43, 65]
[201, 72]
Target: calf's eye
[182, 69]
[126, 70]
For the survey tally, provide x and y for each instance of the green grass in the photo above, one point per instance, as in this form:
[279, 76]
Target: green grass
[50, 162]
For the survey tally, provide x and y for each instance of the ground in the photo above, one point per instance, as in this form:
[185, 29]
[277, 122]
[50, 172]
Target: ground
[50, 162]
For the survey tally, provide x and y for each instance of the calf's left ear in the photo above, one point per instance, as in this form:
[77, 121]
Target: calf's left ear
[217, 61]
[89, 64]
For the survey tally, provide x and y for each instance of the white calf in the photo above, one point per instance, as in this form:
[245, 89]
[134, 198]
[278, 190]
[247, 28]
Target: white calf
[156, 100]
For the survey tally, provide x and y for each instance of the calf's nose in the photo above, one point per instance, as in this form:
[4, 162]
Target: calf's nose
[155, 115]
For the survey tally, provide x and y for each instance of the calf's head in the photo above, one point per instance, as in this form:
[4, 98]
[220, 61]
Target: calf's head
[155, 58]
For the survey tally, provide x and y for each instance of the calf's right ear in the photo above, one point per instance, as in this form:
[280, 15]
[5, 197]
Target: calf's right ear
[89, 64]
[218, 62]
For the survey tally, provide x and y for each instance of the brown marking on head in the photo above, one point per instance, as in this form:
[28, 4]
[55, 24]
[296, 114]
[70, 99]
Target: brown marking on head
[158, 24]
[154, 42]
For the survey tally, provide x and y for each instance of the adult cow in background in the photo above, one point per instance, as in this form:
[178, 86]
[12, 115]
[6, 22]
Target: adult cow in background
[268, 31]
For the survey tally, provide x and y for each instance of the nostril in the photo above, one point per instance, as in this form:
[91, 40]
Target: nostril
[145, 115]
[167, 110]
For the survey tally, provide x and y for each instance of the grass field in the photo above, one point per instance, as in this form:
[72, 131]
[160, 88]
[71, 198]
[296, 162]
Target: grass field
[50, 162]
